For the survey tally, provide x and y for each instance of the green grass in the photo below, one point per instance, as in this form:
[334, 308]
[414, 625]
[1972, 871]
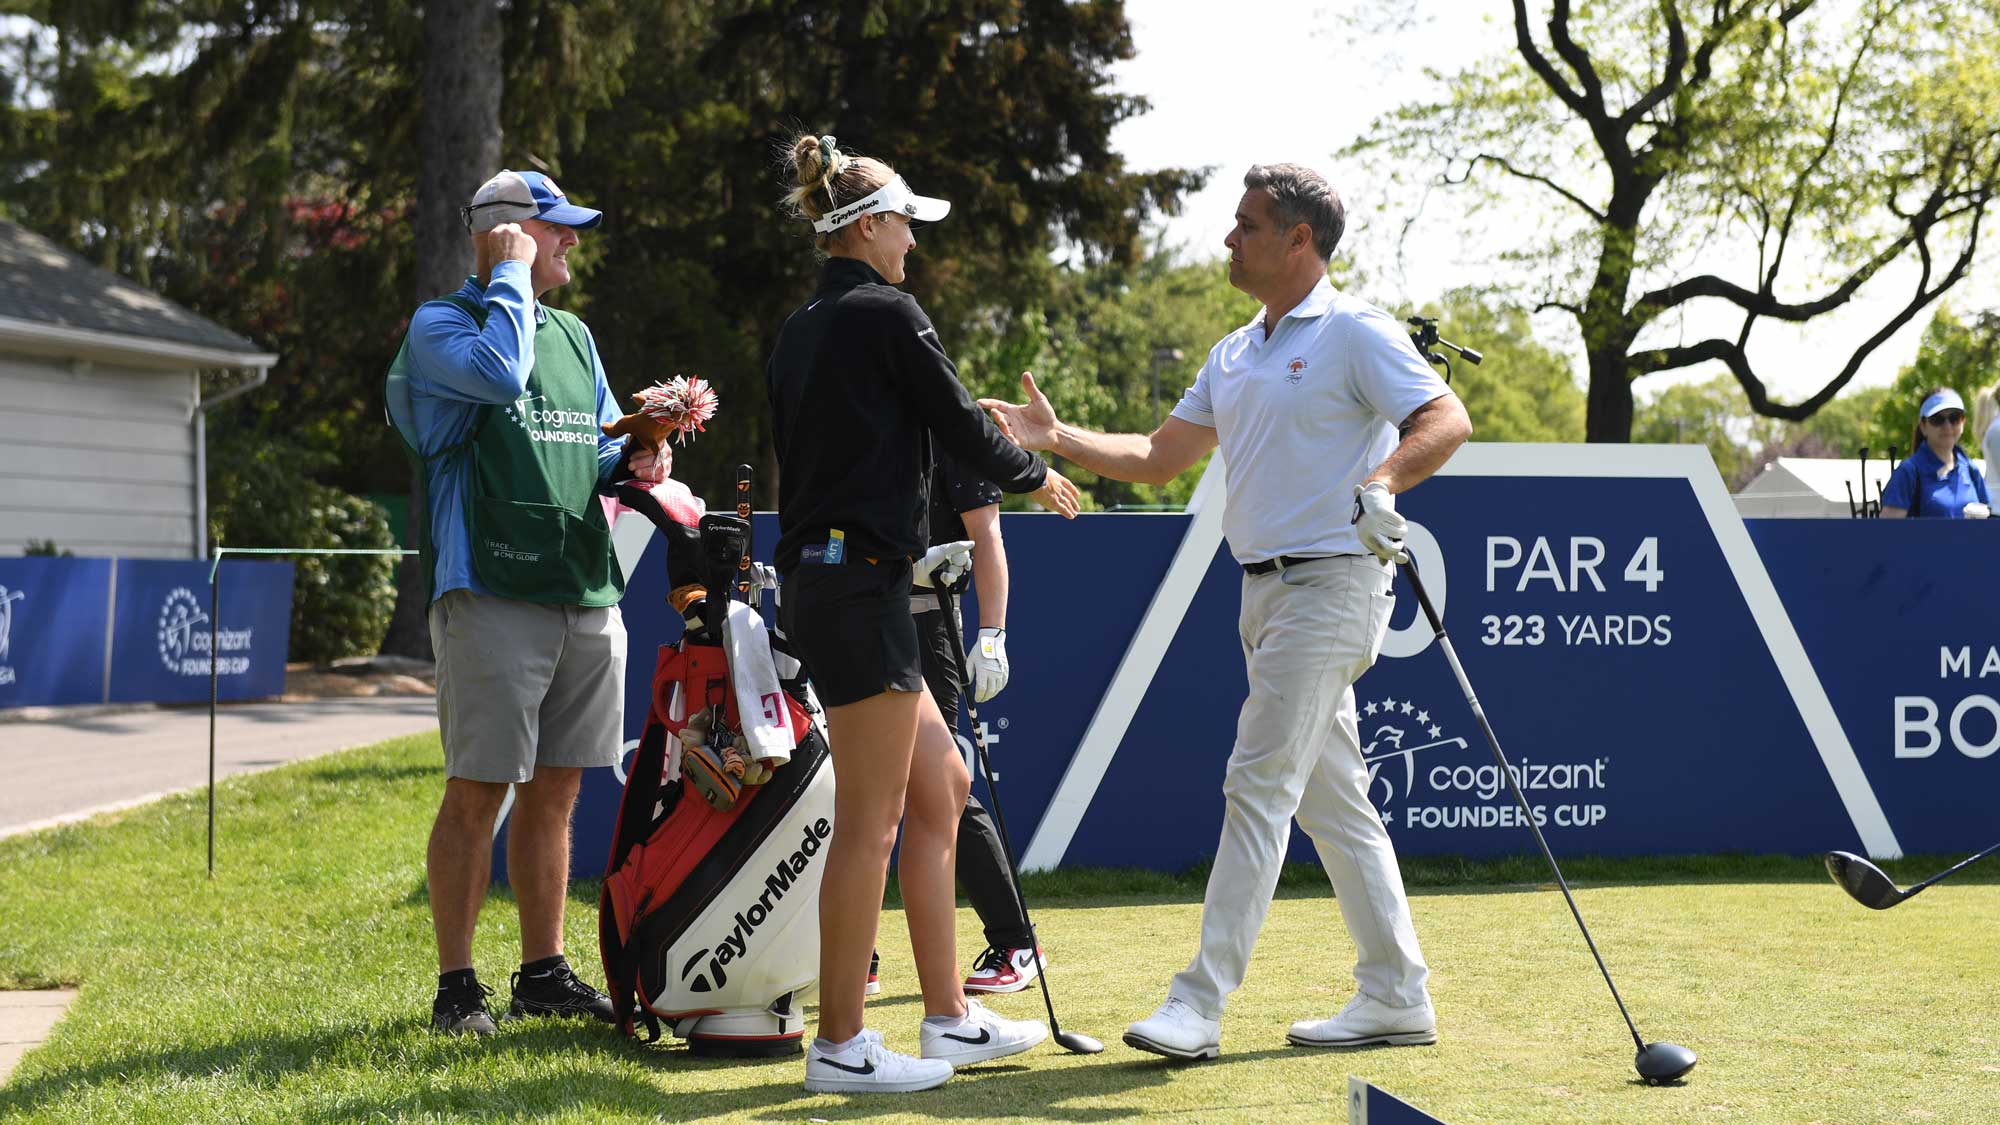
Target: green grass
[295, 986]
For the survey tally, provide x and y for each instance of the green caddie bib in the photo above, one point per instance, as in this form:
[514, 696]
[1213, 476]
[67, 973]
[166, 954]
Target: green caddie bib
[536, 528]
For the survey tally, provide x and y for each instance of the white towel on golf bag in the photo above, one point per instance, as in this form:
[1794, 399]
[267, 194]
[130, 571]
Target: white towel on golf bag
[676, 711]
[760, 701]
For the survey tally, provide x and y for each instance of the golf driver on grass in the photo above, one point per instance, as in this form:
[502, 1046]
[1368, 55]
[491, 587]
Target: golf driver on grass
[1068, 1040]
[1873, 889]
[1656, 1062]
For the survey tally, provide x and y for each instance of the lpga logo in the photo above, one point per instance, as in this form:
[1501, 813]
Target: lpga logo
[180, 615]
[7, 600]
[184, 648]
[1393, 722]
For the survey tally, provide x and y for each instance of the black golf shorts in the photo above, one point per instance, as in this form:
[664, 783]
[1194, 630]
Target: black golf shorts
[850, 624]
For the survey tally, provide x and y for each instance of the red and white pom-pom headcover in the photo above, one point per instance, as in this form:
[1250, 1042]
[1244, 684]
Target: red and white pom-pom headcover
[892, 196]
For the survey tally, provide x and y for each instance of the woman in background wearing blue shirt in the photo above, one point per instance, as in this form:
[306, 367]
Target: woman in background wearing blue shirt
[1937, 479]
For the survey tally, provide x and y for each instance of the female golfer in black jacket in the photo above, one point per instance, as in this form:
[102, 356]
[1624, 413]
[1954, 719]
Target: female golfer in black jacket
[860, 387]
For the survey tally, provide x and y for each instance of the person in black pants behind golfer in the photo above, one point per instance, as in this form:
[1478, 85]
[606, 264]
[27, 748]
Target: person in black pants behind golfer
[963, 507]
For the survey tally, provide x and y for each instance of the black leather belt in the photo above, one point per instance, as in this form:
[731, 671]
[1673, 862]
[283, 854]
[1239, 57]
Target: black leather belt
[1269, 565]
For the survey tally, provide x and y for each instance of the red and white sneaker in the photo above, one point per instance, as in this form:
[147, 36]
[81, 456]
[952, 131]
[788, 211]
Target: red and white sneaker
[1004, 970]
[874, 982]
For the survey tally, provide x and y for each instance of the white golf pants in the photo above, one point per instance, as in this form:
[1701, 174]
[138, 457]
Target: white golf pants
[1308, 632]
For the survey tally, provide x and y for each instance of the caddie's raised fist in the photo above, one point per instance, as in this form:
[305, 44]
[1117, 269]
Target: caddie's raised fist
[504, 243]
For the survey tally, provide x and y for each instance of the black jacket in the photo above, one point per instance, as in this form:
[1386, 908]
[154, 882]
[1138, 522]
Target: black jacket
[859, 386]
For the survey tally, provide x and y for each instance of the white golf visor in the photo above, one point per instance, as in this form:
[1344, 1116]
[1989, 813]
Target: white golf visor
[892, 196]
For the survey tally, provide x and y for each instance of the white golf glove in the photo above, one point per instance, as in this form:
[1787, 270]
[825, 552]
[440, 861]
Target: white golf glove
[942, 565]
[1380, 528]
[989, 664]
[1977, 511]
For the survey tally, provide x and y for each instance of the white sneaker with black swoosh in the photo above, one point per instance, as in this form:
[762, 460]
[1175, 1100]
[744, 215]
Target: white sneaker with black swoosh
[980, 1036]
[863, 1065]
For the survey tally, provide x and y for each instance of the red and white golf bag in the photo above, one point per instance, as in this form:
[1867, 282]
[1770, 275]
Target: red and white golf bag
[708, 920]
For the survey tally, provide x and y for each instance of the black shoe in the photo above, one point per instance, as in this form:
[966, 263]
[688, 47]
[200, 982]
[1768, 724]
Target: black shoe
[557, 992]
[462, 1010]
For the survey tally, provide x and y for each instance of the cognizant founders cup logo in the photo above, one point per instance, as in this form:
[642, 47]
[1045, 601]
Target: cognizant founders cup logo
[184, 640]
[566, 427]
[1460, 790]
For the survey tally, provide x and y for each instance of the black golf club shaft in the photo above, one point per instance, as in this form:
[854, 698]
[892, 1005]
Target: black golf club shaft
[1478, 712]
[949, 605]
[1953, 869]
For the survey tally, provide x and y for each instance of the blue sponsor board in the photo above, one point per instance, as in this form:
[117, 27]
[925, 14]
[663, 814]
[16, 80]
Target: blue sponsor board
[160, 648]
[1369, 1104]
[137, 630]
[53, 616]
[1664, 678]
[1902, 621]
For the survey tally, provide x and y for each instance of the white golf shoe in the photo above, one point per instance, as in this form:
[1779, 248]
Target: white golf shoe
[865, 1066]
[1367, 1021]
[982, 1036]
[1177, 1031]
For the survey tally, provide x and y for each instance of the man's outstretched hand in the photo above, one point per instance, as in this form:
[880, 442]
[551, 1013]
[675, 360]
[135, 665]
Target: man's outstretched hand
[1031, 425]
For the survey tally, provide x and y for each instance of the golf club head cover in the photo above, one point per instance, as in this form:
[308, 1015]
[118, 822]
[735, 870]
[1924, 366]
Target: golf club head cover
[723, 540]
[711, 762]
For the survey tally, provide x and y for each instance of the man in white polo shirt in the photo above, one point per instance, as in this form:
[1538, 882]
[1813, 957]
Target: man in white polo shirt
[1307, 402]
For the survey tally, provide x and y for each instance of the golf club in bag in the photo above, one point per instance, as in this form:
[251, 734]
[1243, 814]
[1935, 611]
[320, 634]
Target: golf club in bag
[1872, 888]
[1069, 1040]
[1656, 1062]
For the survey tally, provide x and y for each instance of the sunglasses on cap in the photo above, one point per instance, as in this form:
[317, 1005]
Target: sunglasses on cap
[1946, 418]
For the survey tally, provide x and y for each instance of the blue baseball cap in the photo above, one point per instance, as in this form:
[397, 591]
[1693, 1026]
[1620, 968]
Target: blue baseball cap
[1946, 399]
[510, 197]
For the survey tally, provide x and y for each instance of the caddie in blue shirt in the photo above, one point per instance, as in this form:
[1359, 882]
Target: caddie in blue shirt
[1937, 480]
[503, 400]
[1323, 411]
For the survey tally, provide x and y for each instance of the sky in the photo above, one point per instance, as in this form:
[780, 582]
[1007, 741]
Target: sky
[1284, 80]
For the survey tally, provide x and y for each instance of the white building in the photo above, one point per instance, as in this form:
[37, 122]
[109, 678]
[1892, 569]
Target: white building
[101, 418]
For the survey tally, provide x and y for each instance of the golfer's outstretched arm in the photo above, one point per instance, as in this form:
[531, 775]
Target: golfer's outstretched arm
[1154, 458]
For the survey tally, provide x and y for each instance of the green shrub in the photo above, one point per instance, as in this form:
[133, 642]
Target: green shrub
[340, 603]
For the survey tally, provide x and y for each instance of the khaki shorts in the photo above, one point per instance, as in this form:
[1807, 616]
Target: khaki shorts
[521, 685]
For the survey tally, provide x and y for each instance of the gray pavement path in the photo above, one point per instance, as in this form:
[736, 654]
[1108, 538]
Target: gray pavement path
[25, 1020]
[90, 761]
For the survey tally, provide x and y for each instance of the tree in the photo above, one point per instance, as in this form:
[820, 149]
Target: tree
[1006, 107]
[1113, 345]
[1823, 141]
[1522, 390]
[1961, 354]
[291, 171]
[459, 136]
[1710, 414]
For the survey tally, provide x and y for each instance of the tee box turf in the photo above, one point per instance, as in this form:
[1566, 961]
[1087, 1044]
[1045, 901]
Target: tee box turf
[1368, 1105]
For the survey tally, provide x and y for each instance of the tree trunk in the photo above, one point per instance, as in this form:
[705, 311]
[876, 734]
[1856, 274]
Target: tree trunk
[1608, 410]
[459, 131]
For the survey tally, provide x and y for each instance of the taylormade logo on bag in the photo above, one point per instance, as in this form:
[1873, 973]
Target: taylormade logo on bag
[736, 945]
